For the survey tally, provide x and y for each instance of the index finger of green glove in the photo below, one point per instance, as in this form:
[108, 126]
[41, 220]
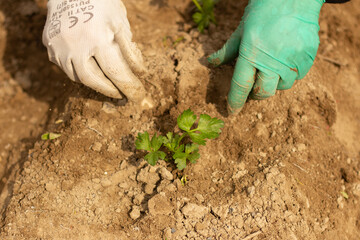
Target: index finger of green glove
[229, 51]
[241, 85]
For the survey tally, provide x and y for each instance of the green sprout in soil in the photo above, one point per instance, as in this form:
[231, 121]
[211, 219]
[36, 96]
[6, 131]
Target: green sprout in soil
[345, 195]
[183, 180]
[50, 136]
[181, 147]
[204, 14]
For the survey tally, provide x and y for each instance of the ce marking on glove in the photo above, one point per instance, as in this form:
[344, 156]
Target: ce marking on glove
[54, 28]
[74, 20]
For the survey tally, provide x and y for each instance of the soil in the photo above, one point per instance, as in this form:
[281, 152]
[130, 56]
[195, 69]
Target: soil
[285, 168]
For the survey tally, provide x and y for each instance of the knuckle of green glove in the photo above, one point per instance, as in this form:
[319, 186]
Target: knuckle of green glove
[282, 36]
[285, 84]
[265, 85]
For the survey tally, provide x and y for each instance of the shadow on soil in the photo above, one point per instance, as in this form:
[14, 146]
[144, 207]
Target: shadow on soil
[26, 59]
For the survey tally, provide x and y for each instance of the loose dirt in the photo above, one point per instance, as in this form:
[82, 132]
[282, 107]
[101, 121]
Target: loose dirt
[285, 168]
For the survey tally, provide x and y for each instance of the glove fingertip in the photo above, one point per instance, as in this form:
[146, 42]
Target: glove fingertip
[214, 59]
[232, 110]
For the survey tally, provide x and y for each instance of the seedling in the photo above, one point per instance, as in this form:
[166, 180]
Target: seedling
[183, 180]
[178, 40]
[344, 194]
[50, 136]
[205, 13]
[166, 40]
[172, 147]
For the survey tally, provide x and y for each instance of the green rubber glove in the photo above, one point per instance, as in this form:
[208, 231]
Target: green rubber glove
[276, 44]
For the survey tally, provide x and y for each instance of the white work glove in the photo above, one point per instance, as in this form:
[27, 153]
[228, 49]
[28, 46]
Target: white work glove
[91, 41]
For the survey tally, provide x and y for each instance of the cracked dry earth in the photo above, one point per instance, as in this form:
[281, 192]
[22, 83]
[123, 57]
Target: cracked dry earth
[284, 168]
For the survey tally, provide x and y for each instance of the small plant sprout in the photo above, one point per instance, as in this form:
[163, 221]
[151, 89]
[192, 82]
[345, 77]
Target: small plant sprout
[344, 194]
[50, 136]
[204, 14]
[183, 180]
[172, 147]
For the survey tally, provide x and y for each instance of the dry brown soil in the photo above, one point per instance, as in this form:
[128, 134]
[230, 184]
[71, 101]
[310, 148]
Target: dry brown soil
[281, 169]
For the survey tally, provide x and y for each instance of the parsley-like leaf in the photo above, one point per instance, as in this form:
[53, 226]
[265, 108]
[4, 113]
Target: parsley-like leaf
[197, 138]
[153, 157]
[143, 142]
[191, 153]
[209, 127]
[156, 142]
[171, 141]
[180, 157]
[180, 160]
[197, 17]
[186, 120]
[206, 128]
[204, 14]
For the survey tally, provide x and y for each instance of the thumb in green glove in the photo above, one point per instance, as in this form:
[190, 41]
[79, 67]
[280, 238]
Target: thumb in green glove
[276, 44]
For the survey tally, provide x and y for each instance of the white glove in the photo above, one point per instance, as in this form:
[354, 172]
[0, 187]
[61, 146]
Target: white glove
[91, 41]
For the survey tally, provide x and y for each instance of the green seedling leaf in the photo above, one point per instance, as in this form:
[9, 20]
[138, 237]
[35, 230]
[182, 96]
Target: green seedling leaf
[156, 142]
[171, 141]
[153, 157]
[178, 40]
[197, 17]
[186, 120]
[345, 195]
[143, 142]
[191, 153]
[197, 138]
[205, 14]
[50, 136]
[180, 160]
[183, 180]
[209, 127]
[206, 128]
[180, 157]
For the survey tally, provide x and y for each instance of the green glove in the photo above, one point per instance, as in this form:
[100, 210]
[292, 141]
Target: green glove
[276, 44]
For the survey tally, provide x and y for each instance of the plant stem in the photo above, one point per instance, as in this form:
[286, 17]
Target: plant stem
[184, 135]
[193, 130]
[198, 5]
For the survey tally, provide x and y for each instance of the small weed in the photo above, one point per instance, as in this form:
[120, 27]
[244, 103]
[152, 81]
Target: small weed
[344, 194]
[50, 136]
[183, 180]
[204, 14]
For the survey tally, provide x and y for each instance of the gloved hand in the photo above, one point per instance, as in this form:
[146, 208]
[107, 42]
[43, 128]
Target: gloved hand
[276, 44]
[91, 41]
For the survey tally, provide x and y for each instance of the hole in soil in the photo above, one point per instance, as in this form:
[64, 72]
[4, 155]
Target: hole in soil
[128, 143]
[218, 87]
[176, 62]
[165, 123]
[344, 175]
